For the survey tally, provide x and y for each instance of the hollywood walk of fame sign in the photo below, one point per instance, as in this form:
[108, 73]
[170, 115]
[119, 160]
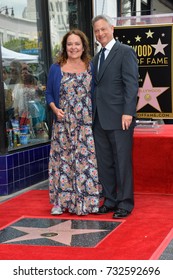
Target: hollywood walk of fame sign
[153, 46]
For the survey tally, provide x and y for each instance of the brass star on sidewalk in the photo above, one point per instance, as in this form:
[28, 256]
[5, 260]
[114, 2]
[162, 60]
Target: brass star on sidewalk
[62, 232]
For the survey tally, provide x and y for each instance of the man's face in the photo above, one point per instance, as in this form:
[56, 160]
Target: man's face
[103, 32]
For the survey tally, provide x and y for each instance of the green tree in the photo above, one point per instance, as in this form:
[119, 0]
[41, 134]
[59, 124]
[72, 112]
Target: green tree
[21, 44]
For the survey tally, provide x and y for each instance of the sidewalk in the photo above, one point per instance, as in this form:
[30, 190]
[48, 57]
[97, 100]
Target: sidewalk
[40, 186]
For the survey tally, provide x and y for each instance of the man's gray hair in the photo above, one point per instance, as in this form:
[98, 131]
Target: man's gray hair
[104, 17]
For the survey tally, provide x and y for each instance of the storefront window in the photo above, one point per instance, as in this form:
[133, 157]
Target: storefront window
[63, 16]
[23, 75]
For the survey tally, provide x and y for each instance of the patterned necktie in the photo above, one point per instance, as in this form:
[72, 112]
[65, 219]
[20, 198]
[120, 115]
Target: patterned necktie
[102, 57]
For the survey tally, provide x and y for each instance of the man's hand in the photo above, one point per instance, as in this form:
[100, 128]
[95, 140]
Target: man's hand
[126, 121]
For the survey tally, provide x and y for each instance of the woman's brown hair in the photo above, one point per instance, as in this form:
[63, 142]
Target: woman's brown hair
[62, 57]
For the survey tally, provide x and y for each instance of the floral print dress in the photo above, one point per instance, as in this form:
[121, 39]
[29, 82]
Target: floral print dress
[73, 177]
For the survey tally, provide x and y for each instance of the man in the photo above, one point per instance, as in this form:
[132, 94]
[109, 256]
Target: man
[115, 100]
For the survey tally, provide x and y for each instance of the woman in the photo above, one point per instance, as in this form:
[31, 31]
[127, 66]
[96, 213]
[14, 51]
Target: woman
[73, 178]
[23, 94]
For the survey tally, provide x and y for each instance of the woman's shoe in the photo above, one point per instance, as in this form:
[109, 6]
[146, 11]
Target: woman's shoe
[56, 210]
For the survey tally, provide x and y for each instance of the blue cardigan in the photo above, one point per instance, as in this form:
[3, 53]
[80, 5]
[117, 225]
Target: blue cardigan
[54, 82]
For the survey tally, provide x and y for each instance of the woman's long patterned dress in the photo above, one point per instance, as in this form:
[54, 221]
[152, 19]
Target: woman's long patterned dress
[73, 177]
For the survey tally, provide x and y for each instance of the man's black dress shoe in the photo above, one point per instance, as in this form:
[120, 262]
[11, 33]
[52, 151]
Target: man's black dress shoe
[120, 213]
[104, 209]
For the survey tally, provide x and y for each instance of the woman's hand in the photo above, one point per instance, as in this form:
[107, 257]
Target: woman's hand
[59, 114]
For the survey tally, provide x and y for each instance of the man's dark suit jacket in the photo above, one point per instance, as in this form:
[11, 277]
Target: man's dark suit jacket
[116, 86]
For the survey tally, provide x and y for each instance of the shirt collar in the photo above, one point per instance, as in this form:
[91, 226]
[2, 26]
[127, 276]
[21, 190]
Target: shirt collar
[110, 44]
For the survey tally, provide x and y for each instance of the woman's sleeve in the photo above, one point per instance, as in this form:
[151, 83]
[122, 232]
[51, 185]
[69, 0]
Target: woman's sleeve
[49, 88]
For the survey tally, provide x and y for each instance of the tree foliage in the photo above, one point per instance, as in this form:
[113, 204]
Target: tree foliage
[21, 44]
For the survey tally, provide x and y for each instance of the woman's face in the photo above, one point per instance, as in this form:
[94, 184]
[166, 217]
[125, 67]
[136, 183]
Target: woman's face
[74, 46]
